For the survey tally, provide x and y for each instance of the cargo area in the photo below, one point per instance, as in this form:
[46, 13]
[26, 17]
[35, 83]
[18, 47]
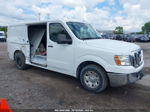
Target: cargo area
[37, 35]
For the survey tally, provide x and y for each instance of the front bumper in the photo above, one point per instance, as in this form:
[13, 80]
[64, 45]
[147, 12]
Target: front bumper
[117, 80]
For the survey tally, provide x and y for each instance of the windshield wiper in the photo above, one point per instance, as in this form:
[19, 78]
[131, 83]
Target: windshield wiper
[88, 38]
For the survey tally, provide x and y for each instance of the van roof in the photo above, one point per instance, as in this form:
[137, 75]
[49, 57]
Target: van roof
[30, 23]
[43, 22]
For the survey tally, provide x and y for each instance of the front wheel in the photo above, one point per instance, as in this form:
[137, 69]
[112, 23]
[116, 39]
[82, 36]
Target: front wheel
[93, 78]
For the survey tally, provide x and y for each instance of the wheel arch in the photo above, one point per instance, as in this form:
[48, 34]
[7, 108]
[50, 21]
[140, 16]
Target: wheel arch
[85, 63]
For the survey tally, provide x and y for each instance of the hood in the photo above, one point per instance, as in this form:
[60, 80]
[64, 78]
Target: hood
[113, 45]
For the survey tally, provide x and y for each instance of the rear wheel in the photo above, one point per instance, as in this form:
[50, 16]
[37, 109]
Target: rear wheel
[93, 78]
[20, 61]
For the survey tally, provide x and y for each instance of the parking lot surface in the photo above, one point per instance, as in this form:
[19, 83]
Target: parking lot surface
[36, 88]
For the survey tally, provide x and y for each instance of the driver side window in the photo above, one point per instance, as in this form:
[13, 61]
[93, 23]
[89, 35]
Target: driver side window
[56, 29]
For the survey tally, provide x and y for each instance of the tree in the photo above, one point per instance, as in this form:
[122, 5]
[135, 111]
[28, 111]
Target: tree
[140, 32]
[3, 29]
[146, 28]
[118, 30]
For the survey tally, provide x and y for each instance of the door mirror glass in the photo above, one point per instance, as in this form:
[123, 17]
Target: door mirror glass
[62, 39]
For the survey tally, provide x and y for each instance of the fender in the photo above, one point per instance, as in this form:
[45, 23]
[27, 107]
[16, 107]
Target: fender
[92, 58]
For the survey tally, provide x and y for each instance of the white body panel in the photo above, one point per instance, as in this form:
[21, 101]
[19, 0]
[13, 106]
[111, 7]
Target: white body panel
[61, 57]
[18, 40]
[67, 58]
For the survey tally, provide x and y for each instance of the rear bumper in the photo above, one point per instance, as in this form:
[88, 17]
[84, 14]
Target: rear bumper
[117, 80]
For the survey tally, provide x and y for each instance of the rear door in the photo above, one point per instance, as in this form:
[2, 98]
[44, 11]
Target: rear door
[18, 40]
[60, 57]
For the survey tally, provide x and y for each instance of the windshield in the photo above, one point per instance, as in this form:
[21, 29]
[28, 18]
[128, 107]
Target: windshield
[83, 31]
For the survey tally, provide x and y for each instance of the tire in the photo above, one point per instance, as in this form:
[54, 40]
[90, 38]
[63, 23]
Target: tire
[98, 81]
[20, 61]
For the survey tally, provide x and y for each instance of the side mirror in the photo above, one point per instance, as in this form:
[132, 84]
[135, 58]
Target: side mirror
[62, 39]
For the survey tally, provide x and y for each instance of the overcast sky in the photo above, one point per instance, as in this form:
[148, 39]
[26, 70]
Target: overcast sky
[102, 14]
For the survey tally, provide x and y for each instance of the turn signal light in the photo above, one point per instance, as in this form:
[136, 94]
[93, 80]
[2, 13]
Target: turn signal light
[118, 62]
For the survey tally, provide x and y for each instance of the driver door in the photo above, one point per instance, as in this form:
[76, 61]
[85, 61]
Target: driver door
[60, 57]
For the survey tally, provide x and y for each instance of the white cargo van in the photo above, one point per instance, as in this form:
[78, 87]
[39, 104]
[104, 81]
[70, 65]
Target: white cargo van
[76, 49]
[2, 36]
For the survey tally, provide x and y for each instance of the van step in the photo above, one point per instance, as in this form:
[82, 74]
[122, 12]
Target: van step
[39, 60]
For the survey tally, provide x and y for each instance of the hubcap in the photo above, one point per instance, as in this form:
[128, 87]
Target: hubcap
[91, 79]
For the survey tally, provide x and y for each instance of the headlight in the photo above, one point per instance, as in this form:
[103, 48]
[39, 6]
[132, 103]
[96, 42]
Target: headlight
[122, 60]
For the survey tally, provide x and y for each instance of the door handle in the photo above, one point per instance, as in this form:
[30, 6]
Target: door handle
[50, 46]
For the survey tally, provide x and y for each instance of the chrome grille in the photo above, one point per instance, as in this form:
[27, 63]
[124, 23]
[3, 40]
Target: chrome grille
[136, 59]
